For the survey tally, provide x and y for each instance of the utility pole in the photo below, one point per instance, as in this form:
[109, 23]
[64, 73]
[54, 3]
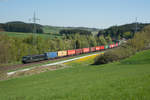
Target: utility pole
[34, 19]
[136, 28]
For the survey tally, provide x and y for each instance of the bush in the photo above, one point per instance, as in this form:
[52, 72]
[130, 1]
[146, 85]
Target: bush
[105, 58]
[115, 55]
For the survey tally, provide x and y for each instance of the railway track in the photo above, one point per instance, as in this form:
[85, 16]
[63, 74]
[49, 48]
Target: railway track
[15, 67]
[53, 64]
[18, 66]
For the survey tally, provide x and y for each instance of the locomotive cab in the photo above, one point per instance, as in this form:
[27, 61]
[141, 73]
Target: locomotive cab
[26, 59]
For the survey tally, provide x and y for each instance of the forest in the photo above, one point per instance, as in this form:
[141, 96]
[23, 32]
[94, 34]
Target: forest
[18, 26]
[124, 31]
[74, 31]
[14, 48]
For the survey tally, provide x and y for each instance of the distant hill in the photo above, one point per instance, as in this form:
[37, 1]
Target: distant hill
[18, 26]
[56, 29]
[116, 32]
[122, 31]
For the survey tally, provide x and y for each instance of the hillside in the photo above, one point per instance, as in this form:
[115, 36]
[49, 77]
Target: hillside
[57, 29]
[18, 26]
[116, 32]
[82, 81]
[123, 31]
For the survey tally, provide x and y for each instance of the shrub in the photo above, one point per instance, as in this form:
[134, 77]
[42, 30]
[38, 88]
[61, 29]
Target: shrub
[105, 58]
[115, 55]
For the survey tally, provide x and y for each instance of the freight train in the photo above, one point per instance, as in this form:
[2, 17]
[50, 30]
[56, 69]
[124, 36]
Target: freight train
[58, 54]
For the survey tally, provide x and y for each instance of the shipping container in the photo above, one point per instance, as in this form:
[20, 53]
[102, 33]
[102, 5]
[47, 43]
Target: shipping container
[51, 55]
[92, 49]
[97, 48]
[78, 51]
[71, 52]
[116, 44]
[86, 50]
[62, 53]
[113, 45]
[119, 43]
[102, 47]
[110, 46]
[106, 46]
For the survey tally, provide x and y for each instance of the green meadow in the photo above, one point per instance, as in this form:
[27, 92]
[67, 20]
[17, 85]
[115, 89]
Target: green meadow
[23, 35]
[128, 79]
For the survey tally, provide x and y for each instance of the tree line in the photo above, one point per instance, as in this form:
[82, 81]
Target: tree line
[17, 26]
[124, 31]
[75, 31]
[14, 48]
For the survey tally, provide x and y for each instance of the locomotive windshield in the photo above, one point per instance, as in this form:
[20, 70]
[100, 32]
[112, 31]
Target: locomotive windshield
[26, 58]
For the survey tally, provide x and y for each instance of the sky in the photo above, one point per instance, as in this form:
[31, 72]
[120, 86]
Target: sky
[76, 13]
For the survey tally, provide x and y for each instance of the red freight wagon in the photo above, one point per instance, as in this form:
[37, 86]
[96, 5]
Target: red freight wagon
[110, 46]
[102, 47]
[116, 44]
[86, 50]
[78, 51]
[113, 45]
[97, 48]
[93, 49]
[71, 52]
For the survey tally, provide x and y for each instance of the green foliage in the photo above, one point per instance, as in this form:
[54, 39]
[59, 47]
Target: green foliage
[140, 42]
[13, 48]
[127, 35]
[117, 32]
[92, 41]
[21, 27]
[106, 58]
[75, 31]
[22, 44]
[115, 55]
[108, 39]
[101, 40]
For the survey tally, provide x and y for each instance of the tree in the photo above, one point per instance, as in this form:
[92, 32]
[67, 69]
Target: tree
[78, 44]
[108, 39]
[92, 41]
[127, 35]
[101, 40]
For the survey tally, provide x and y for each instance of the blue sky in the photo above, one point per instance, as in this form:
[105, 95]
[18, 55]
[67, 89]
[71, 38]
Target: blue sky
[87, 13]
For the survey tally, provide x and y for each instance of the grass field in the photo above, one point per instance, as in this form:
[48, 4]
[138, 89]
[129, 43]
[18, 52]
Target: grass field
[19, 34]
[125, 80]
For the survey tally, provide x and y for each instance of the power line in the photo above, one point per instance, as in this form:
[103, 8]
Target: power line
[136, 24]
[34, 19]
